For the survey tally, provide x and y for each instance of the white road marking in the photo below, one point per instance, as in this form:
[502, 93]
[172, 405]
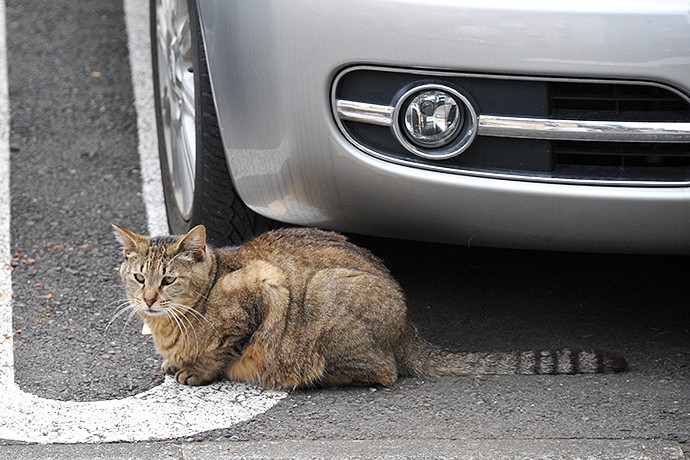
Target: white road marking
[6, 353]
[167, 411]
[137, 21]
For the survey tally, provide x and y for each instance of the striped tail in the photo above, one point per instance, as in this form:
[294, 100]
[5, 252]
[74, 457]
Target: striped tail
[564, 361]
[422, 359]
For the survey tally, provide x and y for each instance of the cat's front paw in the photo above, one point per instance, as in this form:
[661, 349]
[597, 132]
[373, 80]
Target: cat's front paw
[188, 377]
[169, 368]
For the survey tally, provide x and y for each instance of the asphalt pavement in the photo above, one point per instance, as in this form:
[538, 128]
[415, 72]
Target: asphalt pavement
[351, 450]
[75, 169]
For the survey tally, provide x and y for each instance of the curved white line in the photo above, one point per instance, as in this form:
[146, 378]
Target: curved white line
[167, 411]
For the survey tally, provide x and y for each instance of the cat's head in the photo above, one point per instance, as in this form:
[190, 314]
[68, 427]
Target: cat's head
[162, 273]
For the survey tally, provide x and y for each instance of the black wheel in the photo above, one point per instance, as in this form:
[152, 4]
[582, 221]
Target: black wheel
[196, 182]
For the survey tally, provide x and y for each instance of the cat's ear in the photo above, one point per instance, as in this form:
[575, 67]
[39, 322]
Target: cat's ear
[193, 243]
[131, 242]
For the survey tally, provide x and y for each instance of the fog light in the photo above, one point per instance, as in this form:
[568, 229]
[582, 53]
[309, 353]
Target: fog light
[433, 118]
[434, 121]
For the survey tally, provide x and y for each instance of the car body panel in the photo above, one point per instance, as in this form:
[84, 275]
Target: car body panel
[272, 65]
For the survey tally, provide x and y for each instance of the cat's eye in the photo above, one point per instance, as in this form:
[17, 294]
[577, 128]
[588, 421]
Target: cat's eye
[139, 278]
[168, 280]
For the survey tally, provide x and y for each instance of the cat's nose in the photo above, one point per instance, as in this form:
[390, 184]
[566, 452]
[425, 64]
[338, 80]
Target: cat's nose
[150, 296]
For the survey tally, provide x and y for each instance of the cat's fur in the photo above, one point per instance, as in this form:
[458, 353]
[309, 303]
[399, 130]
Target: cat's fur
[295, 308]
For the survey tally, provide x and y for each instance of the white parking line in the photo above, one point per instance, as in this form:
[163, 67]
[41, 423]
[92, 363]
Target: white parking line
[167, 411]
[6, 352]
[137, 19]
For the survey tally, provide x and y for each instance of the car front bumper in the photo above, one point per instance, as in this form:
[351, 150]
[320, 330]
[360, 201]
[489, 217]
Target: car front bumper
[273, 64]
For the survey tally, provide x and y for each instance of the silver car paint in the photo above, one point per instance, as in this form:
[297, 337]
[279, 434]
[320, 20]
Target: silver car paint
[272, 64]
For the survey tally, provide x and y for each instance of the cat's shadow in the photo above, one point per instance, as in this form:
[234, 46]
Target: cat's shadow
[499, 299]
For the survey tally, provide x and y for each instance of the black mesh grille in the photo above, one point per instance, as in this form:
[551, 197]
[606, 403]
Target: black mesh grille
[620, 160]
[617, 101]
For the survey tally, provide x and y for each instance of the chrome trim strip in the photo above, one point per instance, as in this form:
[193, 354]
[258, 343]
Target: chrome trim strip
[538, 128]
[363, 112]
[583, 130]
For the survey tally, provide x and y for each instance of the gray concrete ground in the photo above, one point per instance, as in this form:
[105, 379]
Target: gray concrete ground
[397, 449]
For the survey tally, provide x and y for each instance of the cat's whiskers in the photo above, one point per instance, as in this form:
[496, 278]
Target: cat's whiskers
[175, 320]
[133, 311]
[193, 312]
[202, 296]
[120, 301]
[184, 324]
[121, 309]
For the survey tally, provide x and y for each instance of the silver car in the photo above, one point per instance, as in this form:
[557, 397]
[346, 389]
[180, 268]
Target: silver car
[533, 124]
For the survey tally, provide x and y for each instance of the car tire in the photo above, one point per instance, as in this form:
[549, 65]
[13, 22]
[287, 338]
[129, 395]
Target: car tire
[197, 184]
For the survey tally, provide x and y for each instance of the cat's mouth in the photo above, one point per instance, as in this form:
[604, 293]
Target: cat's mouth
[152, 310]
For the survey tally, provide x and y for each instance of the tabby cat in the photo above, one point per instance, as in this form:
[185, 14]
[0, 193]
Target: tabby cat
[296, 308]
